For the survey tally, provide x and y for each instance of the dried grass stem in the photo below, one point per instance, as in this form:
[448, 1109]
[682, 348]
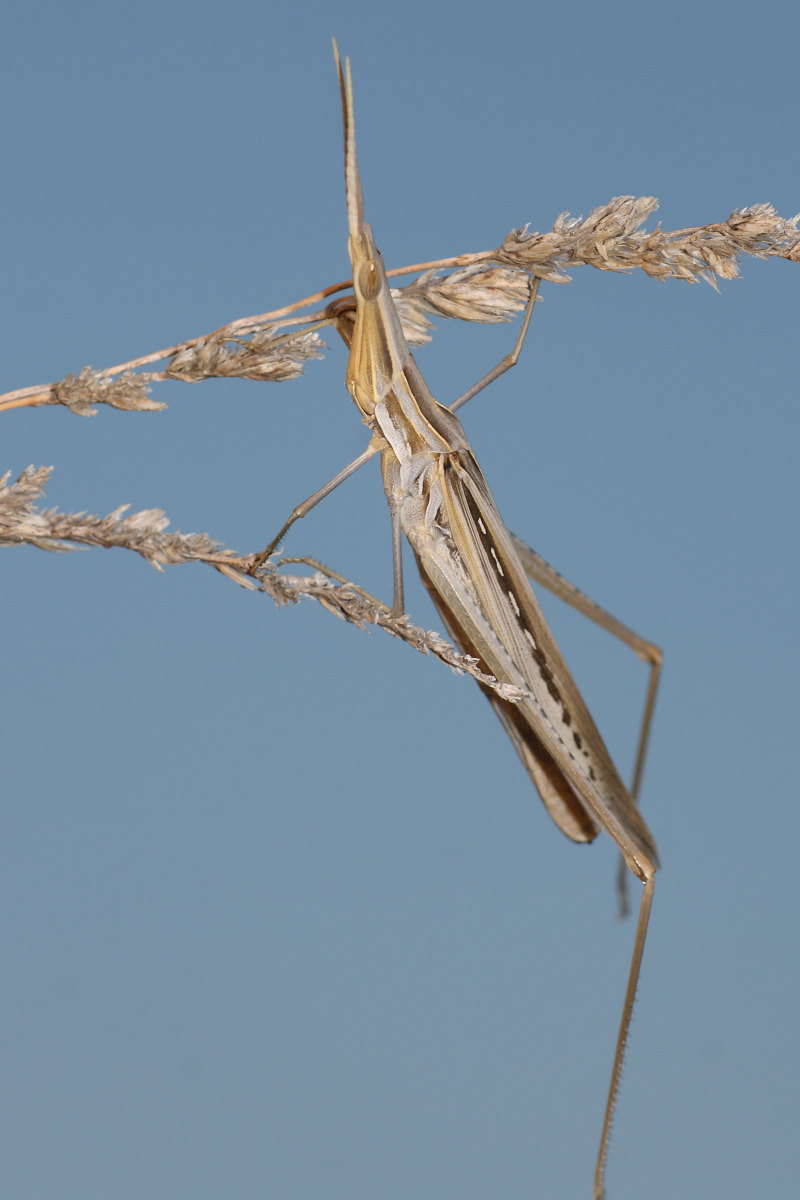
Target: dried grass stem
[483, 286]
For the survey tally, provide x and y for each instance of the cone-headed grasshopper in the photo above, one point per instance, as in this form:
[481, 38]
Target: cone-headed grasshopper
[473, 569]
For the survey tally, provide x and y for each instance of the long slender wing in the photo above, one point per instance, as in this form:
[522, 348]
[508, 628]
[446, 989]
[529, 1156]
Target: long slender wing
[566, 809]
[469, 565]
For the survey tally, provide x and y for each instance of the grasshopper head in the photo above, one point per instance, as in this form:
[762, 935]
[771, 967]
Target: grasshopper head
[368, 273]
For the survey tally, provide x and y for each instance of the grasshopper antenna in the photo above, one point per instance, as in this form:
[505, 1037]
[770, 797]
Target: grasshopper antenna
[355, 199]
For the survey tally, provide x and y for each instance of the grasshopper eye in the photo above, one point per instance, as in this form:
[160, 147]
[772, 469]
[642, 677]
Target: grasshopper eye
[368, 279]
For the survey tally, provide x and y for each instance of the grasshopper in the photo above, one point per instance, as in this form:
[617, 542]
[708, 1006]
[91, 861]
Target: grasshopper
[476, 573]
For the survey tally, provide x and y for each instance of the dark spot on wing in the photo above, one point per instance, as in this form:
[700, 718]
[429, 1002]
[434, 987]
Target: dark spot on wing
[493, 558]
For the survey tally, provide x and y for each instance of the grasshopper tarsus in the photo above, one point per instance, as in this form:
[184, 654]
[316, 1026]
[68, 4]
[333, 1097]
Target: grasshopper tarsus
[509, 360]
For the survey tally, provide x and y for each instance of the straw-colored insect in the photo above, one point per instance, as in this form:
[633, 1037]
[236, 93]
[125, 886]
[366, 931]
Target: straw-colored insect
[475, 572]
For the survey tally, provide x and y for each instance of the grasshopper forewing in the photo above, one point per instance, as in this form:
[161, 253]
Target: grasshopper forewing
[440, 500]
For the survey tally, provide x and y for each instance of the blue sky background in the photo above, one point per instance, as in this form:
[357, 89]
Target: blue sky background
[282, 916]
